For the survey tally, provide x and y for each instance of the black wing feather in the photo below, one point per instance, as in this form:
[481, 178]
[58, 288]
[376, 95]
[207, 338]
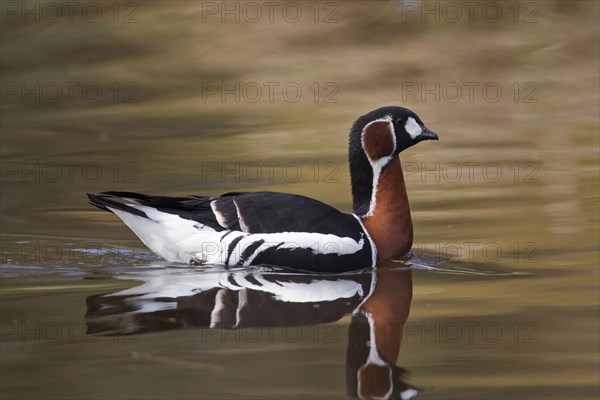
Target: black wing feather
[254, 212]
[271, 212]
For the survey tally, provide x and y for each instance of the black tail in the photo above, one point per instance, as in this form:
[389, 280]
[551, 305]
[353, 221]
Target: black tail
[115, 200]
[189, 207]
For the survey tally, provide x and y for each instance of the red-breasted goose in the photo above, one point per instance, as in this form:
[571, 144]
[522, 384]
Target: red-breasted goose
[289, 230]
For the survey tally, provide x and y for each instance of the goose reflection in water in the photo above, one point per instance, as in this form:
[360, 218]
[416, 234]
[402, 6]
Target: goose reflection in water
[377, 300]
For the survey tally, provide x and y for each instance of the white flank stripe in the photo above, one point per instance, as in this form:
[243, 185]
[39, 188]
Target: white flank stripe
[318, 243]
[180, 240]
[373, 247]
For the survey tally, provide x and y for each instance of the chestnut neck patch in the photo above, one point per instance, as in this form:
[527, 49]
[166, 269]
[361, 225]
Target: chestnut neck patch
[378, 139]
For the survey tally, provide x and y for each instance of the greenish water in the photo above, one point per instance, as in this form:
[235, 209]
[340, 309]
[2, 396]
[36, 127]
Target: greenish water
[504, 273]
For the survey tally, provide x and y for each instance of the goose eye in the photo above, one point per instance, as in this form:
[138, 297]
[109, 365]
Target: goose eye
[399, 120]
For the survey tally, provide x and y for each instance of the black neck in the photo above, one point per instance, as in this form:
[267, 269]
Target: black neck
[361, 175]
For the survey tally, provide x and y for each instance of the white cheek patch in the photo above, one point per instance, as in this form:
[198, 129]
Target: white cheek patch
[413, 128]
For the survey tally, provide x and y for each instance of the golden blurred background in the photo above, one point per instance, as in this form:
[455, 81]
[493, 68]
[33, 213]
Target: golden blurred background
[203, 97]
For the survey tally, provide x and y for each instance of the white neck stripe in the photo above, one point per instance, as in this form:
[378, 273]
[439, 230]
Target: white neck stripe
[377, 165]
